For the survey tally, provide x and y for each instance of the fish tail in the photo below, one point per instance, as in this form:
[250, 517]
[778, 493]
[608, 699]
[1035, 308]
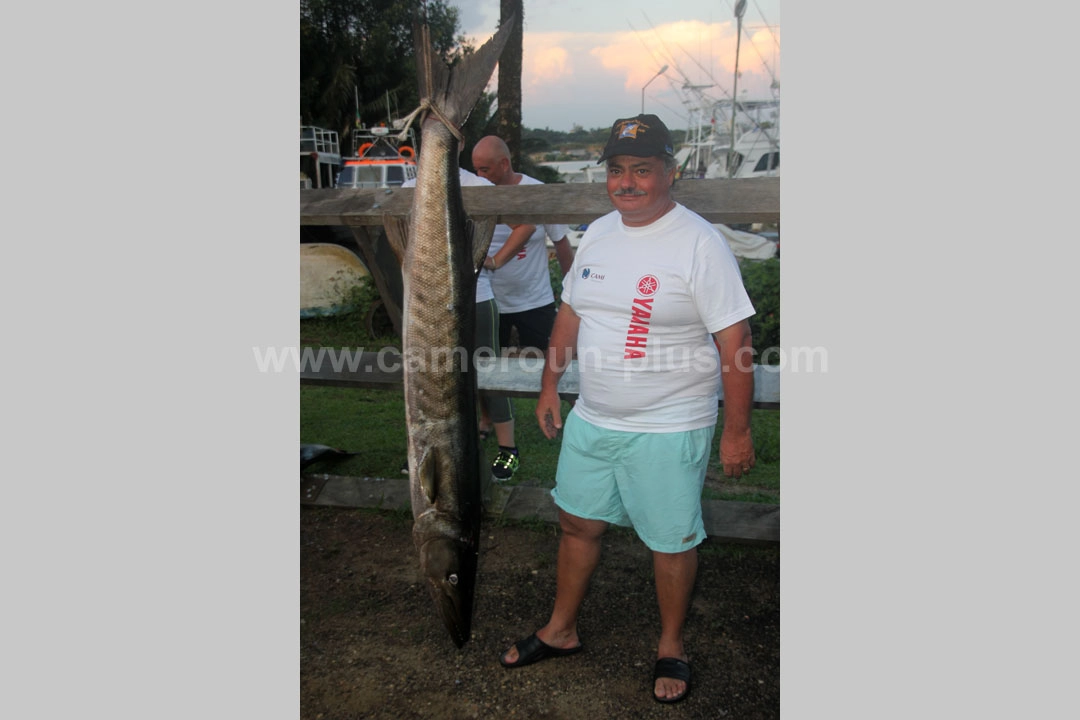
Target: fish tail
[452, 92]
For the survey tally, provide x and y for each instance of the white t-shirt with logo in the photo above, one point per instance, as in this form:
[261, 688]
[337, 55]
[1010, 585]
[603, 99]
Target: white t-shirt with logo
[484, 291]
[524, 282]
[649, 299]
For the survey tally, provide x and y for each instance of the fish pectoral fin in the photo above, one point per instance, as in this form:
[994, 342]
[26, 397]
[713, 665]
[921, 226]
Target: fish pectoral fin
[480, 231]
[427, 475]
[397, 234]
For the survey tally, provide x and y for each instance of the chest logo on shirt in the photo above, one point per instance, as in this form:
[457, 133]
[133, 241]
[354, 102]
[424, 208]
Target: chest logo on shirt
[648, 285]
[637, 333]
[588, 274]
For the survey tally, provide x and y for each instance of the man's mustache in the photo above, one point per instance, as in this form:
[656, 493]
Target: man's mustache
[629, 192]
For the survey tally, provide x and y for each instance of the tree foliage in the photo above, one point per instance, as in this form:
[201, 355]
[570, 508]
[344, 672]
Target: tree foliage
[761, 278]
[362, 50]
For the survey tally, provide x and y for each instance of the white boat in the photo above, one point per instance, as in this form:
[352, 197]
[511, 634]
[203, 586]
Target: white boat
[578, 171]
[327, 274]
[706, 153]
[379, 160]
[757, 153]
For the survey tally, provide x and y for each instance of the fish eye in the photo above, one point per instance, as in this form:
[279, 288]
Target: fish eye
[452, 579]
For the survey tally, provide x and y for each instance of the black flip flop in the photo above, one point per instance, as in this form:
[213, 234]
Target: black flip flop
[675, 669]
[532, 649]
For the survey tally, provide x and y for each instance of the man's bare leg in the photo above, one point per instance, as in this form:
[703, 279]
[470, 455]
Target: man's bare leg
[579, 554]
[675, 575]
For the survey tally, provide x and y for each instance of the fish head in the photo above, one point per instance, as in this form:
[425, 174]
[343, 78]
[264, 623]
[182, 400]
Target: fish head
[449, 567]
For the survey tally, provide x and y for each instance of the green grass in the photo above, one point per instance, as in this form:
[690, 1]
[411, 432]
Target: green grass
[341, 331]
[368, 422]
[371, 422]
[765, 477]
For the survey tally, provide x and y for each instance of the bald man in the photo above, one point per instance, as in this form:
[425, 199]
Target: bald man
[520, 276]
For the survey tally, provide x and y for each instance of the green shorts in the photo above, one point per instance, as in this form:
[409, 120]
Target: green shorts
[651, 481]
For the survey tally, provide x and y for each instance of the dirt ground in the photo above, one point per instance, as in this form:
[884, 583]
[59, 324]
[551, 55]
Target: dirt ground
[371, 645]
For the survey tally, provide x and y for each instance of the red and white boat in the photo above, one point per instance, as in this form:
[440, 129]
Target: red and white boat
[378, 160]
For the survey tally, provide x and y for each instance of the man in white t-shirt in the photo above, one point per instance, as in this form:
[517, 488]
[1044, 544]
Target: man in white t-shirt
[655, 308]
[520, 278]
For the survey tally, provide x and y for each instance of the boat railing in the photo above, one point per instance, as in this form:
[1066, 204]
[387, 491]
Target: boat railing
[314, 139]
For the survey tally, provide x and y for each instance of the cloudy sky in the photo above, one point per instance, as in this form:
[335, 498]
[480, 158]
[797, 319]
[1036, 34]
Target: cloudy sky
[585, 62]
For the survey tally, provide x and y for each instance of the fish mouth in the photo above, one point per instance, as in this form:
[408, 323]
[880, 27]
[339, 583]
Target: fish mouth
[455, 611]
[449, 566]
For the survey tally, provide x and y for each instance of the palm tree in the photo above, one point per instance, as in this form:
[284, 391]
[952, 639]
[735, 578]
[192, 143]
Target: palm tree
[508, 125]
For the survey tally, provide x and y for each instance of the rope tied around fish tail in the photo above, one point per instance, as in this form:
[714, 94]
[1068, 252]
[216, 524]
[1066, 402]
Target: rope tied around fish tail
[426, 106]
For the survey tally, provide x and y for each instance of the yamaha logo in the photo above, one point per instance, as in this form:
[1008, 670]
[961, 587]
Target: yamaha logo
[648, 285]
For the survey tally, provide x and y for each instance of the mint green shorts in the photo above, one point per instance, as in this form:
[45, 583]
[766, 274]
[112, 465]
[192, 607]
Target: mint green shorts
[650, 481]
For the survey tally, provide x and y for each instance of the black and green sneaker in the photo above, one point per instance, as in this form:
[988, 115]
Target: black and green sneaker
[505, 464]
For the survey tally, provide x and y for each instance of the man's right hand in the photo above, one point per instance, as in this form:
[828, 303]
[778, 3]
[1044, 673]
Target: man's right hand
[560, 353]
[549, 414]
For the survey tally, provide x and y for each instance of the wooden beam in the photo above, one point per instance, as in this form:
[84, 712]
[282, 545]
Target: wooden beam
[724, 520]
[718, 200]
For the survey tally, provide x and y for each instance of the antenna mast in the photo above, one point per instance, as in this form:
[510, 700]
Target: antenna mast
[740, 8]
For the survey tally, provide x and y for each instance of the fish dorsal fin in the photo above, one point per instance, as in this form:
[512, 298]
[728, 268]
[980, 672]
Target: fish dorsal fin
[479, 232]
[426, 473]
[397, 234]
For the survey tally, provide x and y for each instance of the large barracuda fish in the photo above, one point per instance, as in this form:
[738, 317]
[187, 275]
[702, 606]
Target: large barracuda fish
[441, 251]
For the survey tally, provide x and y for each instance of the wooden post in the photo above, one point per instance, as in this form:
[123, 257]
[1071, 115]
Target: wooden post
[379, 267]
